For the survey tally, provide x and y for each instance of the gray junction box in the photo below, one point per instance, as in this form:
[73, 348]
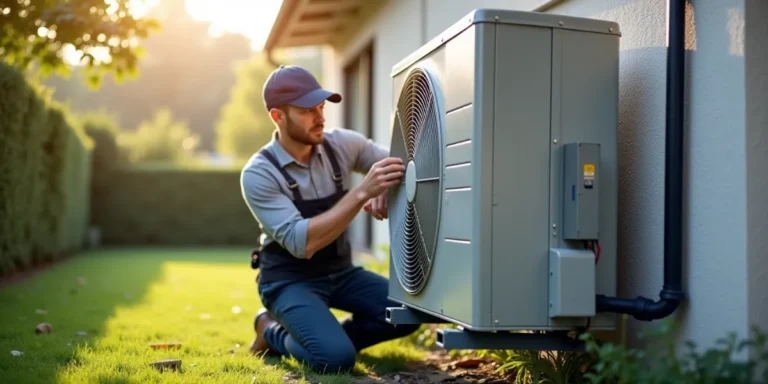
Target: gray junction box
[507, 122]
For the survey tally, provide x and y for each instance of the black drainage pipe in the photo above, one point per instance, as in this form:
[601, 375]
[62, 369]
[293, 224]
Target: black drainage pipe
[672, 293]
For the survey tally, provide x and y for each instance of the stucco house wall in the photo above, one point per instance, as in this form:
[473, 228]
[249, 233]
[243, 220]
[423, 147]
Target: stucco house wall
[726, 209]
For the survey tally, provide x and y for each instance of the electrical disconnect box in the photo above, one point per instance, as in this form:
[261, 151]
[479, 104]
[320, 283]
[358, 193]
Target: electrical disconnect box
[581, 208]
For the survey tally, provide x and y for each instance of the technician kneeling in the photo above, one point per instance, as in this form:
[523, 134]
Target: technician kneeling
[299, 190]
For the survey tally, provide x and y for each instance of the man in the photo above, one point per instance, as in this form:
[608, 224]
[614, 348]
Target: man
[298, 188]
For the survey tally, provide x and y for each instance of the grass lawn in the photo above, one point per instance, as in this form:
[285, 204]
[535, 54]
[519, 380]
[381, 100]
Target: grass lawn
[124, 300]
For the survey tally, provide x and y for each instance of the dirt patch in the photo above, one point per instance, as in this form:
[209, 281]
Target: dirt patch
[437, 367]
[440, 367]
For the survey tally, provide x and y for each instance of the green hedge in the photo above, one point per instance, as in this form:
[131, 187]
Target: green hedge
[44, 176]
[157, 206]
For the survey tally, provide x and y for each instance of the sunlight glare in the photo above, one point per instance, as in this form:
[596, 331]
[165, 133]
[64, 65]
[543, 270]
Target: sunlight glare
[252, 19]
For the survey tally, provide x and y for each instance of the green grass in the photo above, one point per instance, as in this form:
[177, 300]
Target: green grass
[126, 299]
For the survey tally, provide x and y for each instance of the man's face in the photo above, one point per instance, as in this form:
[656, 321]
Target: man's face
[304, 125]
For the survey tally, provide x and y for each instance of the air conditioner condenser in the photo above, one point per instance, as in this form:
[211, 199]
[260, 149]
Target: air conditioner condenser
[506, 218]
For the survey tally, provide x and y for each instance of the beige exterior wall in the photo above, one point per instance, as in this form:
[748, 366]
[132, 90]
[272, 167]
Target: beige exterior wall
[726, 212]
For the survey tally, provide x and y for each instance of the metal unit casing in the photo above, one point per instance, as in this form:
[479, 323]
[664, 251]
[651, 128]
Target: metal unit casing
[513, 88]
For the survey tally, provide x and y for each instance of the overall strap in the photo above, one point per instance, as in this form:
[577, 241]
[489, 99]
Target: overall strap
[292, 184]
[336, 171]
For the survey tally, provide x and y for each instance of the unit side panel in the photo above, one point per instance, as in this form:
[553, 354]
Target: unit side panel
[482, 175]
[459, 149]
[459, 70]
[521, 176]
[585, 75]
[455, 283]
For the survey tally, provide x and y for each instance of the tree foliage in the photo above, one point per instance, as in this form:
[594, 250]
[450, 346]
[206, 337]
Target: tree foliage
[41, 33]
[244, 125]
[162, 139]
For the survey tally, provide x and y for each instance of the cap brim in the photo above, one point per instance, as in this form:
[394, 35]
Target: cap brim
[316, 97]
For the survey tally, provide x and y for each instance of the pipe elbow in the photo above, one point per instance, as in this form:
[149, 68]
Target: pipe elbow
[654, 310]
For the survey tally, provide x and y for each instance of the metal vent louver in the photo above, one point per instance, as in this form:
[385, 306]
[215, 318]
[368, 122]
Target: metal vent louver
[415, 203]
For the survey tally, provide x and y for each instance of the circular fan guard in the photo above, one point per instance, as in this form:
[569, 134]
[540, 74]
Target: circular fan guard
[415, 203]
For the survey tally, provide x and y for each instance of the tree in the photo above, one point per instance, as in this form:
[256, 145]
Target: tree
[40, 33]
[162, 139]
[244, 125]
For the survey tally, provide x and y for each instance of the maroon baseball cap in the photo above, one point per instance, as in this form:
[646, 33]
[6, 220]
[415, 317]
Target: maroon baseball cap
[294, 85]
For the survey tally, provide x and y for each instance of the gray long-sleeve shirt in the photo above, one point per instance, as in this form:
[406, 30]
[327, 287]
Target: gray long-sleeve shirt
[269, 199]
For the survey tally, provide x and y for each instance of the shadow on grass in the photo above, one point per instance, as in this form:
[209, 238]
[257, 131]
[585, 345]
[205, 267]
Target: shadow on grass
[78, 297]
[106, 306]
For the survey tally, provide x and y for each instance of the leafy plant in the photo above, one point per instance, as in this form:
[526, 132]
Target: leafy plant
[728, 361]
[543, 367]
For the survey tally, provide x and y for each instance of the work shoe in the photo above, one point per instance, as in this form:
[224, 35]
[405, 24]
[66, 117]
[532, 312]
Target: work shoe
[260, 323]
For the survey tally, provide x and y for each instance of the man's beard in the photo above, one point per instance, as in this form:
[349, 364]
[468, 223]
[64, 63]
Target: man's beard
[299, 135]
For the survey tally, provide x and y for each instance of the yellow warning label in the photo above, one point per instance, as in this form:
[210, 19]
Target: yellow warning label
[589, 170]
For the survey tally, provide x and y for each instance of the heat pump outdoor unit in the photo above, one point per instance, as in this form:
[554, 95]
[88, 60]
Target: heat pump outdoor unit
[506, 218]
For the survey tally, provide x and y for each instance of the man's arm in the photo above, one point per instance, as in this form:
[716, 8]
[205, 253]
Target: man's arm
[326, 227]
[364, 151]
[303, 237]
[275, 211]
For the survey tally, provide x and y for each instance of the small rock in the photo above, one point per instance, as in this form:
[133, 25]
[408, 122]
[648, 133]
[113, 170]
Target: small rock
[41, 311]
[157, 346]
[17, 353]
[43, 328]
[397, 377]
[162, 365]
[82, 333]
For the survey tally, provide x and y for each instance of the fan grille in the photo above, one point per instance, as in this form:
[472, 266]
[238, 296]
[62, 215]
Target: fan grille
[414, 204]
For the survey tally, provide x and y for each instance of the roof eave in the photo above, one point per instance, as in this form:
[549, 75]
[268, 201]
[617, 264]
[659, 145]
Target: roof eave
[317, 22]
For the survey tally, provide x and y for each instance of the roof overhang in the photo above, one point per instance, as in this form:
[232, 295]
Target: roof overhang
[317, 22]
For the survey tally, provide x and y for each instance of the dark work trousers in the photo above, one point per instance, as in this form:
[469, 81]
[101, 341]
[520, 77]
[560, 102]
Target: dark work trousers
[308, 331]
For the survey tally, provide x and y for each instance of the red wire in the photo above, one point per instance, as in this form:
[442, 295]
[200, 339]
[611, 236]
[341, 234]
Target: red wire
[596, 248]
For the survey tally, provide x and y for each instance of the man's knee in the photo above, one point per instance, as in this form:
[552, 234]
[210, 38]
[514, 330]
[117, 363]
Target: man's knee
[335, 357]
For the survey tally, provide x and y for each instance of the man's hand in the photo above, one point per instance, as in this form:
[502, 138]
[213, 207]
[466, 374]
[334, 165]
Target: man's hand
[382, 175]
[377, 207]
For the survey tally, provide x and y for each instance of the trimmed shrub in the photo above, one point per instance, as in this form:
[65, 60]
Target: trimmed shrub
[44, 176]
[171, 206]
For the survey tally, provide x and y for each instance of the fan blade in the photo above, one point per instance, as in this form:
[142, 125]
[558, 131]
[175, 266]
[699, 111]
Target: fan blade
[427, 156]
[424, 257]
[414, 245]
[426, 205]
[397, 200]
[397, 147]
